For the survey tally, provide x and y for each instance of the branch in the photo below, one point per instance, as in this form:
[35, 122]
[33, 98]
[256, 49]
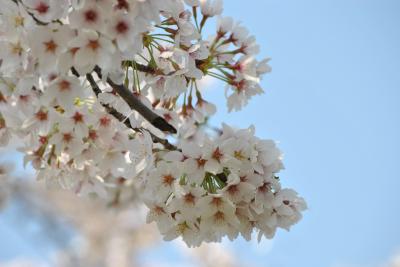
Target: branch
[93, 84]
[135, 104]
[142, 68]
[121, 117]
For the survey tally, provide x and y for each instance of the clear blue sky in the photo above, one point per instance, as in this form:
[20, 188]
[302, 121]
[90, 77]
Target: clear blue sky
[332, 101]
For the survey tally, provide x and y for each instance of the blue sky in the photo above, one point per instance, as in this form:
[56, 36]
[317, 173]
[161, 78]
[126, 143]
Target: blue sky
[332, 101]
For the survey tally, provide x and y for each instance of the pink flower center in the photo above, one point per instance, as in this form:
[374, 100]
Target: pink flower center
[42, 8]
[158, 210]
[43, 139]
[217, 155]
[50, 46]
[266, 187]
[91, 16]
[219, 216]
[67, 137]
[168, 179]
[2, 98]
[121, 27]
[41, 115]
[93, 44]
[122, 4]
[201, 162]
[105, 121]
[216, 202]
[93, 135]
[64, 85]
[233, 189]
[167, 117]
[78, 117]
[240, 86]
[24, 98]
[189, 198]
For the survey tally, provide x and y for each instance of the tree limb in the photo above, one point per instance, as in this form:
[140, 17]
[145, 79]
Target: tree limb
[135, 104]
[121, 117]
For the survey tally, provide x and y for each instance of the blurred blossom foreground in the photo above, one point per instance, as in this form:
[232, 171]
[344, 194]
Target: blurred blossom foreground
[90, 233]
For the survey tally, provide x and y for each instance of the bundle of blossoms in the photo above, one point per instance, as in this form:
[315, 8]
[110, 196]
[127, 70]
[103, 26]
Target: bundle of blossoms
[105, 96]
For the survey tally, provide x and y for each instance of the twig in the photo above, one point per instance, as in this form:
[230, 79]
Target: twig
[142, 68]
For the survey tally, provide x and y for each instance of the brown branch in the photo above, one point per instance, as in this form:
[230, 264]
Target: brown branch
[93, 84]
[121, 117]
[135, 104]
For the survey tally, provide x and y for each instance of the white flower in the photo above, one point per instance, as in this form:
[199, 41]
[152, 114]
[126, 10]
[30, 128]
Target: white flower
[224, 25]
[93, 50]
[249, 46]
[188, 230]
[196, 52]
[48, 44]
[173, 60]
[64, 91]
[269, 157]
[115, 162]
[13, 55]
[15, 20]
[47, 10]
[211, 8]
[157, 212]
[239, 34]
[265, 195]
[206, 108]
[81, 120]
[186, 30]
[246, 66]
[238, 191]
[215, 157]
[125, 30]
[91, 16]
[186, 201]
[194, 164]
[150, 9]
[164, 180]
[193, 3]
[218, 216]
[66, 141]
[263, 67]
[243, 90]
[288, 207]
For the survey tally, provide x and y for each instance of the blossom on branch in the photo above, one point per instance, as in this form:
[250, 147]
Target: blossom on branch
[105, 98]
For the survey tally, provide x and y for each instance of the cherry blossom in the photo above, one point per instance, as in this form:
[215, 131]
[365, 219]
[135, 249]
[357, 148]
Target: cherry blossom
[105, 98]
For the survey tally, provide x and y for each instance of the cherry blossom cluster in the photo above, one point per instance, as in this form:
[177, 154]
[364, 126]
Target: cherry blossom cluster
[222, 187]
[80, 147]
[105, 96]
[102, 236]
